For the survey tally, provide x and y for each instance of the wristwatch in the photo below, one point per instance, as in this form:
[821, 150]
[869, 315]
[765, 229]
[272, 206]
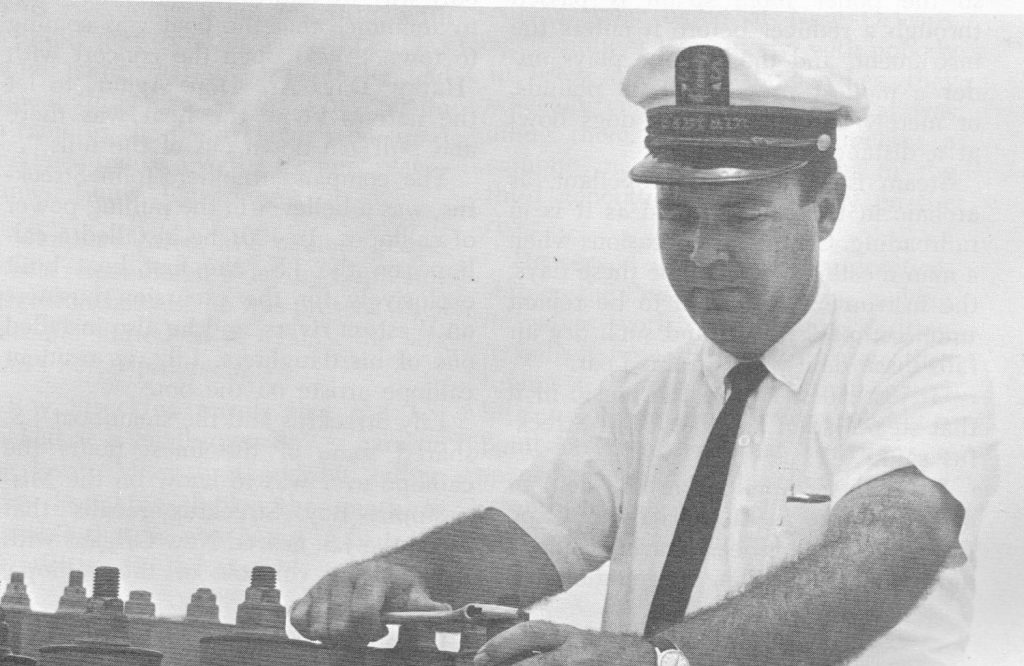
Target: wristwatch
[668, 652]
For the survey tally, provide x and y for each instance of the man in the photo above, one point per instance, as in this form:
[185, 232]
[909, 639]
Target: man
[800, 485]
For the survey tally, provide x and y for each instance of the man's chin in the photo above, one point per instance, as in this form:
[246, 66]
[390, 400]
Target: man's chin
[729, 330]
[717, 319]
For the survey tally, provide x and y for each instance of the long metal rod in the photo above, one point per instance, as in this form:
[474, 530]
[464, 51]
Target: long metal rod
[470, 613]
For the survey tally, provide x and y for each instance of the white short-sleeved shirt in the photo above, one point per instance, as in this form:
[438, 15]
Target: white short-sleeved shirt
[847, 400]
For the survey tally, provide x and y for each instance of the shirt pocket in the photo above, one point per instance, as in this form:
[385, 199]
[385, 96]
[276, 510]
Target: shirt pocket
[800, 523]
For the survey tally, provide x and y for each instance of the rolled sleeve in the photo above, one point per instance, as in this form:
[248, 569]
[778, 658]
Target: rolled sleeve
[569, 501]
[934, 411]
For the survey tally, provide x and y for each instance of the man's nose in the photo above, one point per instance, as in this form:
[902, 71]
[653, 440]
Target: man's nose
[706, 246]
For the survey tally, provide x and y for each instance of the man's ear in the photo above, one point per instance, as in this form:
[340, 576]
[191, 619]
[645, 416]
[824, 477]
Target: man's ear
[830, 201]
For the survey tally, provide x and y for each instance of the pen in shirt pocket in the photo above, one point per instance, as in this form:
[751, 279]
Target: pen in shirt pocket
[806, 498]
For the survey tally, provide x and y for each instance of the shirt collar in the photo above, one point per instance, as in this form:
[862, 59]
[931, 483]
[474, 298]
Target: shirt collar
[789, 359]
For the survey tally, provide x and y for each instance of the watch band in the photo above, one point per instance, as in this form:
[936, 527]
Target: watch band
[668, 652]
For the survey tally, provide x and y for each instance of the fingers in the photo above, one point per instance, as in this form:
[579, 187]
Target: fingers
[521, 642]
[364, 608]
[299, 614]
[323, 614]
[345, 606]
[420, 600]
[535, 658]
[327, 606]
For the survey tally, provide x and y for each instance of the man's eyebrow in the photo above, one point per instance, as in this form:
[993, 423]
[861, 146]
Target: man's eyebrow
[748, 207]
[748, 202]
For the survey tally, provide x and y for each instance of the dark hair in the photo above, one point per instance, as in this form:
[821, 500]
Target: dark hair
[812, 177]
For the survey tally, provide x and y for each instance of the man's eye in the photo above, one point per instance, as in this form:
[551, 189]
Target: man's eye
[742, 220]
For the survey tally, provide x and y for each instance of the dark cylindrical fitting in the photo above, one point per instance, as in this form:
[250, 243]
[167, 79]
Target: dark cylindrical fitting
[251, 649]
[106, 582]
[15, 597]
[73, 600]
[203, 606]
[96, 653]
[264, 577]
[139, 604]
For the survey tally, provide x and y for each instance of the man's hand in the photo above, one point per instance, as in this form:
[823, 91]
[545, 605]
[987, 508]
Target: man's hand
[547, 644]
[483, 557]
[345, 606]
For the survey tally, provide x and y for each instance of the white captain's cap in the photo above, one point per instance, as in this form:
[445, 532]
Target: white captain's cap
[736, 107]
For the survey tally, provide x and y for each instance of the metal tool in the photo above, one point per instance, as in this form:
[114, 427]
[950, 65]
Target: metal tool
[470, 613]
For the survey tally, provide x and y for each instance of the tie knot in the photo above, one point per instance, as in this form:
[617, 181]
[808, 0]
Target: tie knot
[744, 378]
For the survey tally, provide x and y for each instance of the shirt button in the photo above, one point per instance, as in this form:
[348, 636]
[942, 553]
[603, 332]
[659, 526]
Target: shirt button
[744, 440]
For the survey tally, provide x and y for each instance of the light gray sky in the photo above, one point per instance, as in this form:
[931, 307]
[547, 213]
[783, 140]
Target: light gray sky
[286, 285]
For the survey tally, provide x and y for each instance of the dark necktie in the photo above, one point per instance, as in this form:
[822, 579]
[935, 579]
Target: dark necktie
[703, 501]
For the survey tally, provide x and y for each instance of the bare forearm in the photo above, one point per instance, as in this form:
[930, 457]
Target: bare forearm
[810, 611]
[831, 603]
[482, 557]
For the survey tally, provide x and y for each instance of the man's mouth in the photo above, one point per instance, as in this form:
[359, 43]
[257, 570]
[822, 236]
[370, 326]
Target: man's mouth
[716, 289]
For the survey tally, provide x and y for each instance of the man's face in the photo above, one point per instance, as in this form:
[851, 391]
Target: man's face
[742, 257]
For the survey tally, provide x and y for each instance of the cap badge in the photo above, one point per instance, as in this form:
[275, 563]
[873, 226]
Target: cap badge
[702, 76]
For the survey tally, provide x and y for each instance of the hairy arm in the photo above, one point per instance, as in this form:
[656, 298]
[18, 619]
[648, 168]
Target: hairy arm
[483, 557]
[883, 547]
